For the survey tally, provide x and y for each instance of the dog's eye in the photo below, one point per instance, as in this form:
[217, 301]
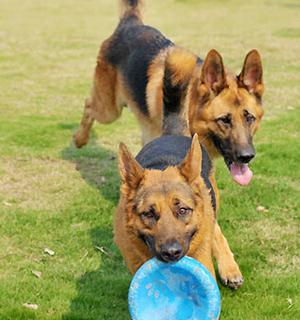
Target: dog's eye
[182, 212]
[249, 117]
[225, 120]
[150, 214]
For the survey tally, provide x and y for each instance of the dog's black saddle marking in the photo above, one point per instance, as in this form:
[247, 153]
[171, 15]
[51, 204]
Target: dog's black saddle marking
[132, 49]
[170, 151]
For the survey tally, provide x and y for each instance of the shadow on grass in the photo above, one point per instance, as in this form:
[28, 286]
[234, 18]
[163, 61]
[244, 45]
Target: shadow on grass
[97, 166]
[102, 294]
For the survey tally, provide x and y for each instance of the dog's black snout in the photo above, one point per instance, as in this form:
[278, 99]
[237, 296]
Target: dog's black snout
[171, 251]
[245, 155]
[245, 158]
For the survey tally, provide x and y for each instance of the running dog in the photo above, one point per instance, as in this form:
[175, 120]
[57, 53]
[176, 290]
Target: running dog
[223, 109]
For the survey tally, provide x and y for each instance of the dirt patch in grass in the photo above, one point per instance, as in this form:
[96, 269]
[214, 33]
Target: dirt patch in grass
[282, 241]
[37, 184]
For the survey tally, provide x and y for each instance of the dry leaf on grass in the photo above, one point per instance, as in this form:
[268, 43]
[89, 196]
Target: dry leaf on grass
[8, 204]
[102, 179]
[104, 251]
[290, 302]
[49, 251]
[36, 273]
[261, 209]
[30, 306]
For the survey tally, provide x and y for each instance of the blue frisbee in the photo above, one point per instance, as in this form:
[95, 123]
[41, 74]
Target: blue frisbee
[184, 290]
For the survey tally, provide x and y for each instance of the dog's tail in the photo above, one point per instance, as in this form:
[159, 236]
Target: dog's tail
[132, 8]
[179, 66]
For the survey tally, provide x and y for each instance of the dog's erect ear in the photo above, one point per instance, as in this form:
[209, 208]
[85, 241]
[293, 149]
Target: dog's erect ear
[130, 171]
[213, 72]
[251, 77]
[191, 165]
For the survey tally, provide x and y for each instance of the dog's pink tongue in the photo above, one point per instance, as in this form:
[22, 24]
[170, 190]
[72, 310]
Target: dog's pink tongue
[241, 173]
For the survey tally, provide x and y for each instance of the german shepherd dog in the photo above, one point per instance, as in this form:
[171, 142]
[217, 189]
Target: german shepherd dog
[223, 109]
[167, 201]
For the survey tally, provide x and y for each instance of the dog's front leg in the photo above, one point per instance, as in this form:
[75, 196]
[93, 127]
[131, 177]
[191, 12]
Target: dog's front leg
[229, 270]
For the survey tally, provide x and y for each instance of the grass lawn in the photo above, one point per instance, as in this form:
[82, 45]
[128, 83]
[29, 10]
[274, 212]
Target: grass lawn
[55, 196]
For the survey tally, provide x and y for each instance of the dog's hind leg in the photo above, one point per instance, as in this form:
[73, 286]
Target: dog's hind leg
[103, 104]
[81, 137]
[229, 270]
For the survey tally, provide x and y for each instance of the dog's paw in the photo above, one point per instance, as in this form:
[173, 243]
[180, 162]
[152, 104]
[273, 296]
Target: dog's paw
[233, 283]
[79, 139]
[231, 275]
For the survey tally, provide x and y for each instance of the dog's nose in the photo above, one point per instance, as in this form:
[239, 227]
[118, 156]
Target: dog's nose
[171, 251]
[245, 155]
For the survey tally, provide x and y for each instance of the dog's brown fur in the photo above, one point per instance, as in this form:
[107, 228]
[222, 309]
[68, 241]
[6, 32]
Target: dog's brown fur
[167, 191]
[212, 95]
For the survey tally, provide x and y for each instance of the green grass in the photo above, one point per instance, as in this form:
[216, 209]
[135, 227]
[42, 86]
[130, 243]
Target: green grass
[52, 195]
